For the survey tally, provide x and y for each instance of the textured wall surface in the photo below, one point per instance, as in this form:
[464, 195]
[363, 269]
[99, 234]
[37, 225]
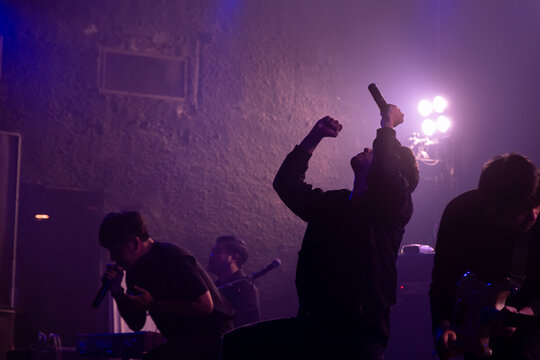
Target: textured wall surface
[267, 71]
[261, 73]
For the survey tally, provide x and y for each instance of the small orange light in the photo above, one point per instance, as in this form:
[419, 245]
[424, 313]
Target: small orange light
[41, 216]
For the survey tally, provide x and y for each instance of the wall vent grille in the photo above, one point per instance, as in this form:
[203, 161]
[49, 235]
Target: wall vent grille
[143, 75]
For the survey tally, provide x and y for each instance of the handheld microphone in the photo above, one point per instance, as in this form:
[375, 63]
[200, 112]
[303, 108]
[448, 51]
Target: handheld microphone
[377, 96]
[274, 264]
[101, 293]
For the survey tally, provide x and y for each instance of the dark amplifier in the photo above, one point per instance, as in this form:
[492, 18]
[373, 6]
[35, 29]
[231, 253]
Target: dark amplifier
[119, 345]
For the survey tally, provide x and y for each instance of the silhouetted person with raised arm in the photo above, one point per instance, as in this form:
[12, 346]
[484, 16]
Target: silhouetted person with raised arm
[346, 273]
[167, 282]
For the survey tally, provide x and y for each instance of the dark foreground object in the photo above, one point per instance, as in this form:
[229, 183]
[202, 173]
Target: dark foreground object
[297, 338]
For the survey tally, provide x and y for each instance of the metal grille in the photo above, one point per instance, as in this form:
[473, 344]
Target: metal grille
[143, 75]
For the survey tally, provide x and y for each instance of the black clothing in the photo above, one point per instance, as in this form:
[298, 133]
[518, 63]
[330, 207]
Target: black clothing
[299, 339]
[171, 273]
[469, 241]
[243, 297]
[346, 270]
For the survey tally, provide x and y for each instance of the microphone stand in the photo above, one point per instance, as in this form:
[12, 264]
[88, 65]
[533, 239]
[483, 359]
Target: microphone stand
[231, 283]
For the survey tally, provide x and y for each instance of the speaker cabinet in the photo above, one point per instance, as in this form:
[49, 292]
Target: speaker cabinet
[410, 328]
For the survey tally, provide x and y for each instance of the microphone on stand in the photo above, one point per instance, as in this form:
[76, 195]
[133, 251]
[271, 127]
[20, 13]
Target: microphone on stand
[377, 96]
[101, 293]
[274, 264]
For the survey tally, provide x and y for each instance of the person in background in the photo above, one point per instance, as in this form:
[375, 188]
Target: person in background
[226, 260]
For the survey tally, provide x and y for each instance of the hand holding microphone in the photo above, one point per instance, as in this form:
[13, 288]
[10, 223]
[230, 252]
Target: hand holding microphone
[391, 114]
[111, 280]
[392, 117]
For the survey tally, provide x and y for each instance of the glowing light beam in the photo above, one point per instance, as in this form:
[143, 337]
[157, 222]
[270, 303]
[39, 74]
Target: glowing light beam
[425, 107]
[439, 104]
[443, 123]
[429, 127]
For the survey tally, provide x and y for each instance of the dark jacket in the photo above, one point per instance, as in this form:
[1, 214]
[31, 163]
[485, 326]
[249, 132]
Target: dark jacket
[346, 265]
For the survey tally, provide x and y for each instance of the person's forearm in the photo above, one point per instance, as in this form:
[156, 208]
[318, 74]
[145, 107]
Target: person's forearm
[179, 308]
[133, 313]
[385, 148]
[310, 142]
[527, 310]
[203, 305]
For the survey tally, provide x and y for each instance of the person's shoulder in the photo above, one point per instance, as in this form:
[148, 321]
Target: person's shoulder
[470, 196]
[335, 198]
[170, 249]
[465, 202]
[236, 276]
[338, 195]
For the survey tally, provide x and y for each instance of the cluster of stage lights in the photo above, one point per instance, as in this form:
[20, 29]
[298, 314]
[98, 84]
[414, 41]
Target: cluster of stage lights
[429, 110]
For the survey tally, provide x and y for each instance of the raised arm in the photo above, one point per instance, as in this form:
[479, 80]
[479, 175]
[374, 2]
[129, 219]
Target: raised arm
[393, 173]
[325, 127]
[290, 183]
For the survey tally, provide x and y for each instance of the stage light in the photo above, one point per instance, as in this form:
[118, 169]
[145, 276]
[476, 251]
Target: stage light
[443, 123]
[41, 217]
[424, 107]
[439, 104]
[429, 127]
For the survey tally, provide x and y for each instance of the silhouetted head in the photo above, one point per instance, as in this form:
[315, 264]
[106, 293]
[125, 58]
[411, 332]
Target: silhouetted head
[510, 185]
[408, 167]
[122, 234]
[229, 252]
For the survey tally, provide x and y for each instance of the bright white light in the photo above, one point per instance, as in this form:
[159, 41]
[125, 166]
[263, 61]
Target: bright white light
[424, 107]
[439, 104]
[429, 127]
[443, 123]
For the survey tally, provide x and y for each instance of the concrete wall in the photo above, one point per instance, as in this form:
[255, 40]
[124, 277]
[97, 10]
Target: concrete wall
[266, 72]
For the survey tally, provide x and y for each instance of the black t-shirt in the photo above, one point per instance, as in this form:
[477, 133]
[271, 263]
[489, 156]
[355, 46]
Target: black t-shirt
[171, 273]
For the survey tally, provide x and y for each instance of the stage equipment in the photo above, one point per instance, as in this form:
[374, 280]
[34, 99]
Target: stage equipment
[410, 322]
[426, 107]
[121, 345]
[254, 275]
